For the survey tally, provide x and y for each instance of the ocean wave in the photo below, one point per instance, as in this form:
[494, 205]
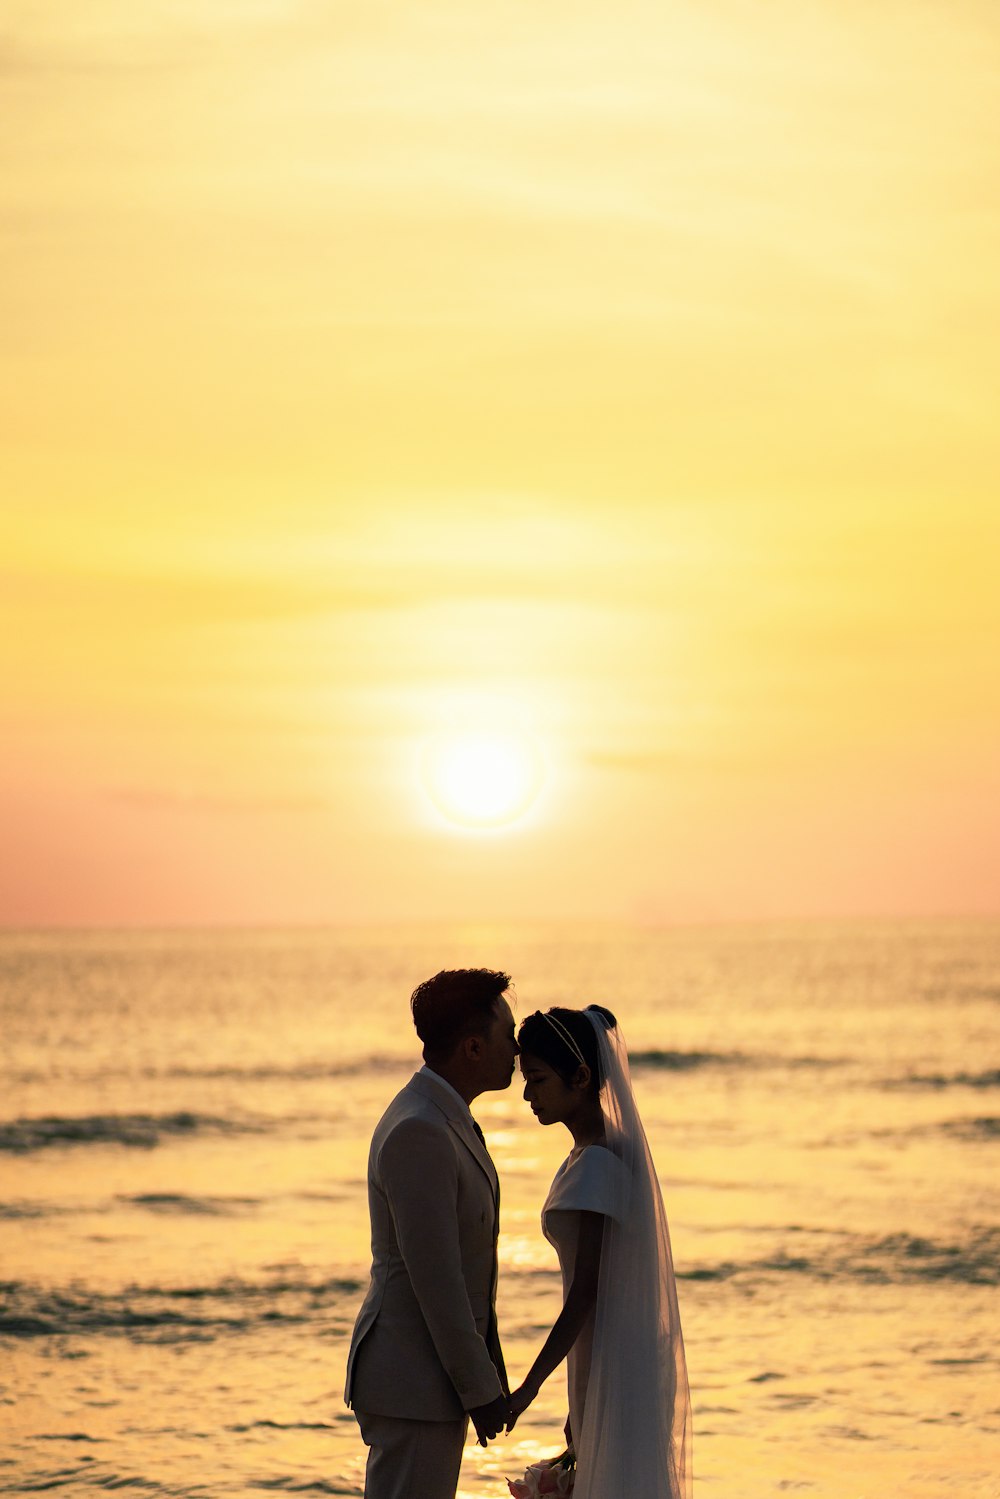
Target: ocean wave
[67, 1436]
[909, 1257]
[205, 1313]
[181, 1202]
[980, 991]
[654, 1059]
[143, 1131]
[691, 1061]
[972, 1130]
[90, 1476]
[263, 1072]
[686, 1061]
[13, 1212]
[288, 1485]
[987, 1128]
[265, 1425]
[292, 1072]
[940, 1080]
[166, 1203]
[899, 1258]
[175, 1313]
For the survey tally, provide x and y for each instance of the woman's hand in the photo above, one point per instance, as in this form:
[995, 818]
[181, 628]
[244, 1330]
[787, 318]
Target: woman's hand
[520, 1399]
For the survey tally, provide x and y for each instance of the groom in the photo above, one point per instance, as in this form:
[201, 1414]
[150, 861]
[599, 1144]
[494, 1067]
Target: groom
[425, 1356]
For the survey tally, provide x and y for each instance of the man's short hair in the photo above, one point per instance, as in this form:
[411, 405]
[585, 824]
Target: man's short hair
[455, 1003]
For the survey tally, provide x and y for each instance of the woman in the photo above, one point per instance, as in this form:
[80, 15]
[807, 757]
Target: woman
[629, 1408]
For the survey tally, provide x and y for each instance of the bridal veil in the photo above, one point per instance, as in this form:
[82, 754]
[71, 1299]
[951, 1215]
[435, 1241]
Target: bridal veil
[636, 1436]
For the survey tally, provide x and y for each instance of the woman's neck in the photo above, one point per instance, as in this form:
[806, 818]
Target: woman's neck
[587, 1128]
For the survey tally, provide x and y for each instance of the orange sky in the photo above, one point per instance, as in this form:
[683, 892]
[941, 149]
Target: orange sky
[626, 376]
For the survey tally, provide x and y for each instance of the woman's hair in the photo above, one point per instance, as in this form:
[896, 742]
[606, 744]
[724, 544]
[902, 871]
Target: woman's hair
[544, 1038]
[455, 1003]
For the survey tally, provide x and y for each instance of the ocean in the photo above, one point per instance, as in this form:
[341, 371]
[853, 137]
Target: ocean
[184, 1127]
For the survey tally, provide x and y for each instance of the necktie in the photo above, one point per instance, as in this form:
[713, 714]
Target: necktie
[482, 1141]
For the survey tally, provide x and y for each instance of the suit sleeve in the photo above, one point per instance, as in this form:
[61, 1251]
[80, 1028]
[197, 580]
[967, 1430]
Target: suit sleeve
[420, 1177]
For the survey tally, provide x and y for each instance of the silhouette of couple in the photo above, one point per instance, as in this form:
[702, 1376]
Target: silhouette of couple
[425, 1358]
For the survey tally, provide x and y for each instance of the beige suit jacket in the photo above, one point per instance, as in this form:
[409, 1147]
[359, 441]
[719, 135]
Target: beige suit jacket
[425, 1343]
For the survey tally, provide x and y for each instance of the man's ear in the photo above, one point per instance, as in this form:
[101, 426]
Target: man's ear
[472, 1047]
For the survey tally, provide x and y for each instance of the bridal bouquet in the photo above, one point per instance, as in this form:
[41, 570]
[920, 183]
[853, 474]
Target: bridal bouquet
[541, 1480]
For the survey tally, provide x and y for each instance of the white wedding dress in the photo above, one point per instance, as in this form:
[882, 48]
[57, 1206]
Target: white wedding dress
[629, 1404]
[588, 1181]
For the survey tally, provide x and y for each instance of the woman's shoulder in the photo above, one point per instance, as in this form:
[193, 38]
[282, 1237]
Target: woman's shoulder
[597, 1160]
[589, 1180]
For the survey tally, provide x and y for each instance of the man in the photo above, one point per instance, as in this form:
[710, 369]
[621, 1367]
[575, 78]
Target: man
[425, 1356]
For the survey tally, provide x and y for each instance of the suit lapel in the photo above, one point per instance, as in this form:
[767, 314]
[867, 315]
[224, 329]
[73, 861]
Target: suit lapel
[460, 1120]
[472, 1142]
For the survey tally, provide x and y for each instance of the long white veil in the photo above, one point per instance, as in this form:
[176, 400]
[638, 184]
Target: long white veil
[636, 1436]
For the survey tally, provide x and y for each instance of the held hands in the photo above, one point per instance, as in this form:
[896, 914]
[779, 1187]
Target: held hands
[519, 1402]
[489, 1420]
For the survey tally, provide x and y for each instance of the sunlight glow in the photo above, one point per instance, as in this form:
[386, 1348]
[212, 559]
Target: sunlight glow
[478, 780]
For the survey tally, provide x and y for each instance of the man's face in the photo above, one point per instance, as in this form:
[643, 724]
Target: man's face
[500, 1049]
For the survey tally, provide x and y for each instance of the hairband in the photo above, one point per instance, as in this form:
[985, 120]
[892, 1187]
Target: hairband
[567, 1037]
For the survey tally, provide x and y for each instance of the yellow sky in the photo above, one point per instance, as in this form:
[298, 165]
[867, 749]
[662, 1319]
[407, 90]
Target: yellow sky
[626, 375]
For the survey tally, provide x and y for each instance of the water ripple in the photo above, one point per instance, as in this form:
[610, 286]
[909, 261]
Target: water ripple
[19, 1136]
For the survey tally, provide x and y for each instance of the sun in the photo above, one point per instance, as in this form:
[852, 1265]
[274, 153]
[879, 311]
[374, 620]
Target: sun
[482, 780]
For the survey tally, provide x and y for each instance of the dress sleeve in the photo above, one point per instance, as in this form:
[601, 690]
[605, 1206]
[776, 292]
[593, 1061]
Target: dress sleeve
[596, 1182]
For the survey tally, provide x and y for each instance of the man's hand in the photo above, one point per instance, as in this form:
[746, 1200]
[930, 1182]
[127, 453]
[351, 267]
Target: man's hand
[490, 1419]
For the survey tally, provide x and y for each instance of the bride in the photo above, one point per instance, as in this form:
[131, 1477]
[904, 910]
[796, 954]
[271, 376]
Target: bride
[629, 1408]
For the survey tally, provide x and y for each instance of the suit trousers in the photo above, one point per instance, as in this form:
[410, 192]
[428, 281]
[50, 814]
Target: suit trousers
[411, 1459]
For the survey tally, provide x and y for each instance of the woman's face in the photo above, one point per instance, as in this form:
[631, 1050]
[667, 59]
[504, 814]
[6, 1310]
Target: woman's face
[552, 1101]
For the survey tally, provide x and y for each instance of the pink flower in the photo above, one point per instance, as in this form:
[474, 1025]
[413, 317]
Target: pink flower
[541, 1480]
